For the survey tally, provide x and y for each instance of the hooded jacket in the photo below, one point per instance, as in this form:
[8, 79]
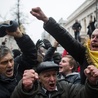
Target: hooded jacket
[71, 78]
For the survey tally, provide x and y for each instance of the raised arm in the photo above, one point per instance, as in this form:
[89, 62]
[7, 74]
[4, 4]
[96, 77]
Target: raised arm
[28, 58]
[26, 85]
[62, 36]
[26, 45]
[50, 52]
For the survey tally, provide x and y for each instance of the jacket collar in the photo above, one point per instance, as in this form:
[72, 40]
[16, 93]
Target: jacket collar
[57, 92]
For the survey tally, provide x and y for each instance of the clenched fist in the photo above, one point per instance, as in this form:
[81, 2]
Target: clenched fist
[91, 73]
[29, 78]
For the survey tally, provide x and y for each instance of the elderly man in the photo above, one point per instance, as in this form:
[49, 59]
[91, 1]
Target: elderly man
[45, 84]
[84, 54]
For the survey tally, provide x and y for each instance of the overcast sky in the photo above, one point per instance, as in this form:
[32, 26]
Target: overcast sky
[55, 8]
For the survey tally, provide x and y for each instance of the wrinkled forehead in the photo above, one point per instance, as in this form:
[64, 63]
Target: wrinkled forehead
[95, 32]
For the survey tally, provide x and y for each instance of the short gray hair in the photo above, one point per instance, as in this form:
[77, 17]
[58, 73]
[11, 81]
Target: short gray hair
[4, 50]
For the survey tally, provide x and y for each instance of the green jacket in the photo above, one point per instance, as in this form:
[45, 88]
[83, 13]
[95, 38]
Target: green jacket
[65, 90]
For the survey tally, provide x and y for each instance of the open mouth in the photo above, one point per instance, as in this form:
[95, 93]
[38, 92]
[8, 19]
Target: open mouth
[60, 67]
[9, 71]
[94, 46]
[52, 85]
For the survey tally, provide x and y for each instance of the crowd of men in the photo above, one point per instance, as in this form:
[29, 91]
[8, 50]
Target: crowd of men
[39, 72]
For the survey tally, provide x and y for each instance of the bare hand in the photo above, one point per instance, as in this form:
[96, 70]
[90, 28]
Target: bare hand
[92, 74]
[38, 13]
[29, 78]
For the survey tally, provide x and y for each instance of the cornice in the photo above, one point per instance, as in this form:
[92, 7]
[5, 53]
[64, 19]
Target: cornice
[80, 10]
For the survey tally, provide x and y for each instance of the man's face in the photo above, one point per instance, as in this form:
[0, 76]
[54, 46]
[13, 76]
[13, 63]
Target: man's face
[94, 41]
[7, 65]
[48, 79]
[64, 66]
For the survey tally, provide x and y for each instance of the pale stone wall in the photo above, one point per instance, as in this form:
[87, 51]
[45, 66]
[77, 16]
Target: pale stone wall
[83, 14]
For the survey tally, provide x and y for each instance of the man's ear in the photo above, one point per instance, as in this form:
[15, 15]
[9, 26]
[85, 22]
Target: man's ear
[71, 67]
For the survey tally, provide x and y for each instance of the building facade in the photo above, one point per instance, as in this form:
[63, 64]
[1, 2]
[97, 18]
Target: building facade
[83, 14]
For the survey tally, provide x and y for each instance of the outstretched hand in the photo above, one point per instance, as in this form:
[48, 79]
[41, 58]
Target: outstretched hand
[91, 73]
[38, 13]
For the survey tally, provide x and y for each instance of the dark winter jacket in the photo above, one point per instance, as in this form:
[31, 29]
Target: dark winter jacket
[76, 26]
[51, 55]
[64, 90]
[7, 86]
[91, 27]
[74, 48]
[27, 60]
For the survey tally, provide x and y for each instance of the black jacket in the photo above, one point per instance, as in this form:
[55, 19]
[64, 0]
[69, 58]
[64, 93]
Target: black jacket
[51, 55]
[76, 26]
[27, 60]
[74, 48]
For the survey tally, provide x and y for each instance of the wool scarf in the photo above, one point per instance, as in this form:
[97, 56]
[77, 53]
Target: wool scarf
[92, 56]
